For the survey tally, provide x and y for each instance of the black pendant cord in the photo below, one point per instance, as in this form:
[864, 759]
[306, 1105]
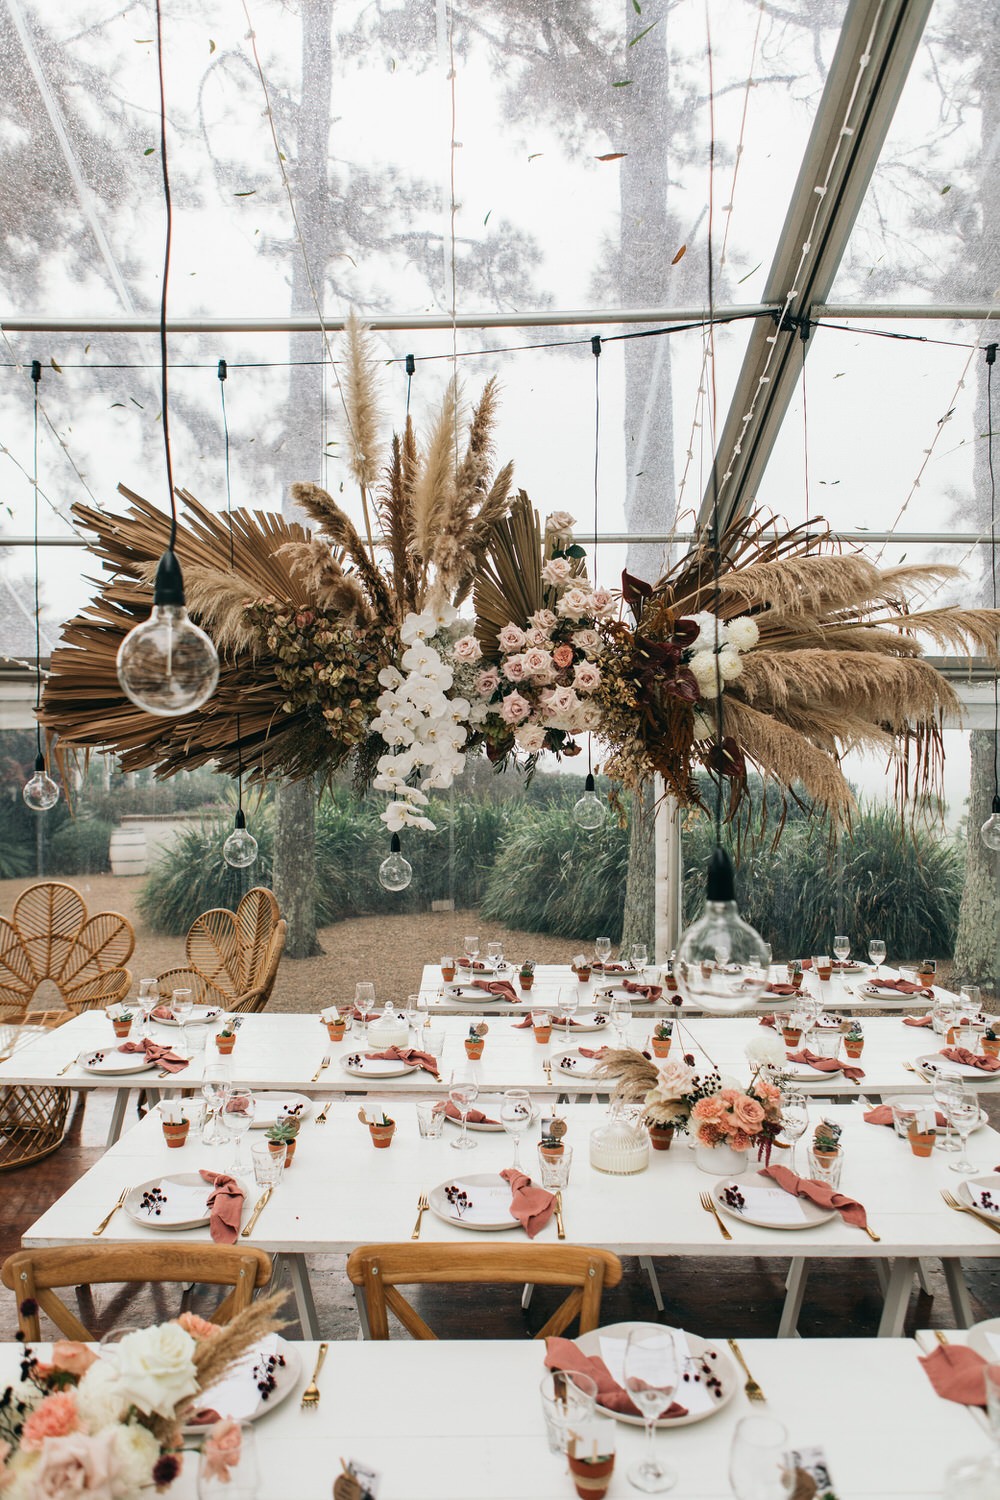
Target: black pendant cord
[716, 541]
[36, 375]
[991, 358]
[411, 370]
[595, 349]
[223, 372]
[168, 201]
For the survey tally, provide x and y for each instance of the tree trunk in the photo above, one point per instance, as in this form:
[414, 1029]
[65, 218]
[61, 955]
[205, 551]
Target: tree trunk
[295, 866]
[638, 922]
[979, 914]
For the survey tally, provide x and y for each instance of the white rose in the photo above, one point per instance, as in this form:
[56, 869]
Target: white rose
[156, 1368]
[575, 603]
[530, 737]
[559, 523]
[135, 1451]
[467, 649]
[586, 640]
[543, 619]
[100, 1399]
[743, 633]
[557, 570]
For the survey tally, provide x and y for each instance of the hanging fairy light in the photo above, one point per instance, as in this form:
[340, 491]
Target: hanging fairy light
[395, 872]
[990, 831]
[589, 812]
[167, 665]
[240, 848]
[40, 792]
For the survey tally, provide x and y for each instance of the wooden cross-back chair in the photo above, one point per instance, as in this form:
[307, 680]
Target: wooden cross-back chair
[232, 957]
[50, 937]
[35, 1275]
[378, 1270]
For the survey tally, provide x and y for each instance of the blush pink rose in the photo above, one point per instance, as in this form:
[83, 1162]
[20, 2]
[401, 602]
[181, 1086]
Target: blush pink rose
[514, 709]
[75, 1358]
[537, 637]
[586, 677]
[222, 1450]
[601, 601]
[563, 656]
[513, 668]
[76, 1465]
[557, 570]
[511, 638]
[587, 640]
[561, 701]
[467, 649]
[537, 663]
[544, 619]
[487, 682]
[54, 1417]
[748, 1114]
[574, 604]
[198, 1328]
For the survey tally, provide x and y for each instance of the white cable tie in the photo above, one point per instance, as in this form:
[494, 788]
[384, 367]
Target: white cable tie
[748, 416]
[727, 475]
[764, 380]
[740, 149]
[689, 454]
[847, 129]
[738, 448]
[772, 338]
[864, 59]
[806, 247]
[820, 192]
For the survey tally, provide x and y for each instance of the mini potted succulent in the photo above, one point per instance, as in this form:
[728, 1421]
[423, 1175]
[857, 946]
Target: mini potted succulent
[826, 1142]
[670, 980]
[476, 1040]
[791, 1035]
[991, 1042]
[581, 968]
[795, 973]
[854, 1039]
[336, 1025]
[382, 1130]
[122, 1022]
[927, 971]
[526, 974]
[663, 1034]
[283, 1133]
[175, 1126]
[225, 1038]
[591, 1471]
[542, 1022]
[921, 1134]
[551, 1145]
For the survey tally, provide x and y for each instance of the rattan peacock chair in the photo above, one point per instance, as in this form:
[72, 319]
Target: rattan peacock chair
[232, 957]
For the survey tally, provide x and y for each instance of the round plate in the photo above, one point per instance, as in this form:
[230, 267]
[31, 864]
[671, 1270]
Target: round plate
[979, 1338]
[722, 1367]
[573, 1064]
[187, 1188]
[596, 1022]
[200, 1015]
[753, 1186]
[498, 1215]
[891, 1000]
[110, 1062]
[933, 1062]
[274, 1107]
[618, 992]
[916, 1101]
[804, 1072]
[469, 994]
[375, 1067]
[969, 1189]
[490, 1105]
[236, 1395]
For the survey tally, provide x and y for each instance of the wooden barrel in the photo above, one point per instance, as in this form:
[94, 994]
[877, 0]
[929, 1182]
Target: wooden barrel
[129, 855]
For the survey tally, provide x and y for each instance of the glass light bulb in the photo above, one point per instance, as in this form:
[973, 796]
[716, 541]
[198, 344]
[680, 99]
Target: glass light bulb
[41, 792]
[168, 665]
[240, 848]
[722, 962]
[990, 831]
[590, 811]
[395, 872]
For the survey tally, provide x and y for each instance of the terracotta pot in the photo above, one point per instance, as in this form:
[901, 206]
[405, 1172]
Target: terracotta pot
[448, 975]
[551, 1153]
[926, 977]
[854, 1049]
[952, 1036]
[474, 1050]
[382, 1135]
[921, 1142]
[526, 981]
[661, 1046]
[661, 1137]
[543, 1033]
[583, 975]
[824, 972]
[991, 1049]
[288, 1146]
[795, 980]
[122, 1028]
[336, 1030]
[176, 1134]
[790, 1036]
[225, 1044]
[591, 1480]
[825, 1158]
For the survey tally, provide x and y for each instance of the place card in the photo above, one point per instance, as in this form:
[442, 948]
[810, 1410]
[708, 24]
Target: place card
[487, 1203]
[694, 1395]
[772, 1205]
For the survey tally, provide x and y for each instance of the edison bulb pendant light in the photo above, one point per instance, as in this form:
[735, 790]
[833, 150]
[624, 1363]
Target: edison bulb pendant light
[167, 665]
[395, 872]
[990, 831]
[722, 962]
[240, 848]
[590, 811]
[41, 792]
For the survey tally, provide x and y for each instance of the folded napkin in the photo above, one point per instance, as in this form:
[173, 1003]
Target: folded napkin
[918, 1020]
[524, 1022]
[162, 1013]
[164, 1057]
[827, 1064]
[647, 991]
[591, 1051]
[501, 987]
[407, 1055]
[956, 1373]
[780, 989]
[475, 1116]
[225, 1204]
[563, 1354]
[969, 1059]
[465, 963]
[614, 968]
[882, 1115]
[769, 1020]
[900, 987]
[530, 1204]
[851, 1211]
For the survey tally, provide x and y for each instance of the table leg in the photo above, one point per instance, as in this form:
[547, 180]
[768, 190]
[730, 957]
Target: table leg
[117, 1116]
[798, 1275]
[897, 1297]
[362, 1306]
[299, 1274]
[958, 1291]
[646, 1261]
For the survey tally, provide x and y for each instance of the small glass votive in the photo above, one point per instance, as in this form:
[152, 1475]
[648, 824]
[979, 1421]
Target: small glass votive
[268, 1164]
[554, 1171]
[903, 1116]
[430, 1118]
[568, 1399]
[431, 1040]
[825, 1041]
[825, 1168]
[822, 965]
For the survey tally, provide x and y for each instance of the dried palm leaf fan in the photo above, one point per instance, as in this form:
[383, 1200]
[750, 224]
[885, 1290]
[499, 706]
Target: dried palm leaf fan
[167, 666]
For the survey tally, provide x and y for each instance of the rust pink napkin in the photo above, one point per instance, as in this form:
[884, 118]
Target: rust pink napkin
[827, 1064]
[918, 1021]
[956, 1373]
[225, 1205]
[476, 1116]
[407, 1055]
[971, 1059]
[164, 1057]
[530, 1204]
[647, 991]
[900, 987]
[882, 1115]
[501, 987]
[851, 1211]
[563, 1354]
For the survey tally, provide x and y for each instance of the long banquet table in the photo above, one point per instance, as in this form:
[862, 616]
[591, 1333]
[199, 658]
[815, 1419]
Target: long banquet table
[340, 1193]
[454, 1419]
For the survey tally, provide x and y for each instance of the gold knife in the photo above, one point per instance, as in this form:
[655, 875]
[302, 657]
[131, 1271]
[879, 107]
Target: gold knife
[261, 1204]
[560, 1226]
[63, 1071]
[102, 1226]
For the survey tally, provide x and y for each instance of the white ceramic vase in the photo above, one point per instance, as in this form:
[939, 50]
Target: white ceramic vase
[719, 1161]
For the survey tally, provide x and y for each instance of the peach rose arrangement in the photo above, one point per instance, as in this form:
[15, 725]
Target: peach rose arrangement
[739, 1118]
[106, 1427]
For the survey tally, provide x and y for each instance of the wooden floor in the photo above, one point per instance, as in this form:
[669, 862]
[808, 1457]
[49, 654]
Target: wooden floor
[724, 1298]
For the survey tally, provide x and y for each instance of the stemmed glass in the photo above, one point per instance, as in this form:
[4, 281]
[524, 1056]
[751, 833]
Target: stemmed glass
[794, 1121]
[236, 1117]
[216, 1084]
[945, 1081]
[652, 1371]
[876, 953]
[464, 1095]
[567, 1003]
[621, 1017]
[364, 1004]
[413, 1018]
[760, 1462]
[146, 1001]
[962, 1108]
[602, 949]
[841, 948]
[471, 947]
[181, 1006]
[515, 1117]
[637, 953]
[494, 952]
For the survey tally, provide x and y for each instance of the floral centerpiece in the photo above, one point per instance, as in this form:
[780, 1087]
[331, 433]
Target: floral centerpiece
[81, 1424]
[739, 1118]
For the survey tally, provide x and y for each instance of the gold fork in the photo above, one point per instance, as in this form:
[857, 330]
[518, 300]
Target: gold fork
[708, 1204]
[560, 1226]
[102, 1226]
[753, 1390]
[324, 1064]
[422, 1207]
[310, 1396]
[321, 1118]
[63, 1071]
[964, 1208]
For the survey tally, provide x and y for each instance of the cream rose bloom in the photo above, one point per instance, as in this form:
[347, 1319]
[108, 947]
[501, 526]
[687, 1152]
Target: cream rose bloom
[100, 1399]
[559, 523]
[135, 1452]
[156, 1367]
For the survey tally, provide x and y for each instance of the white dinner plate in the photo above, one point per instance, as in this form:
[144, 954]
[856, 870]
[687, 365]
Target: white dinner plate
[490, 1196]
[109, 1061]
[469, 993]
[490, 1105]
[804, 1071]
[888, 1000]
[618, 992]
[596, 1022]
[187, 1195]
[933, 1062]
[573, 1064]
[766, 1204]
[200, 1015]
[916, 1101]
[237, 1395]
[984, 1338]
[971, 1190]
[602, 1341]
[273, 1108]
[360, 1066]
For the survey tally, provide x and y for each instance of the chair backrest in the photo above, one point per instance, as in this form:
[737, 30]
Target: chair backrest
[380, 1269]
[236, 950]
[35, 1275]
[50, 937]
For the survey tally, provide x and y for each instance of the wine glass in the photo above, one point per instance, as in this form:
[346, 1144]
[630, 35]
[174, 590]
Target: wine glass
[621, 1016]
[962, 1108]
[602, 950]
[515, 1117]
[876, 953]
[794, 1121]
[652, 1371]
[945, 1080]
[471, 947]
[463, 1094]
[841, 948]
[216, 1083]
[225, 1479]
[181, 1006]
[364, 1005]
[413, 1018]
[761, 1466]
[146, 1001]
[236, 1117]
[567, 1003]
[494, 952]
[969, 1001]
[637, 953]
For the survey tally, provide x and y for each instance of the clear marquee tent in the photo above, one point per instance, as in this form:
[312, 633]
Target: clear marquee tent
[491, 183]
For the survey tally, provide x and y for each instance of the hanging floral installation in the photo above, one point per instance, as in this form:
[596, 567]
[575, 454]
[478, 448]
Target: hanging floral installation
[341, 649]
